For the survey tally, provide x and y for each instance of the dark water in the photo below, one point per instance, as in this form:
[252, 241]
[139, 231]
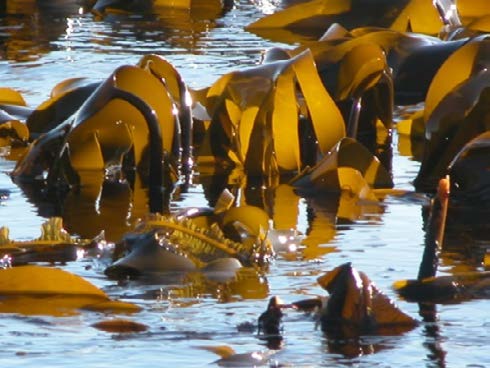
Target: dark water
[45, 42]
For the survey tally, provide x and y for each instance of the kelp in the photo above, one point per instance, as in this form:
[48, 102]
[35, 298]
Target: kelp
[36, 290]
[127, 121]
[103, 7]
[355, 305]
[253, 113]
[429, 288]
[256, 116]
[445, 289]
[65, 99]
[177, 243]
[347, 165]
[469, 172]
[54, 245]
[12, 130]
[311, 19]
[243, 283]
[455, 110]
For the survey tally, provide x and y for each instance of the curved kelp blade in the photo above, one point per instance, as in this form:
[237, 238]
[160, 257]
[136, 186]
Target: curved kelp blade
[117, 125]
[38, 158]
[9, 96]
[348, 153]
[54, 245]
[468, 60]
[356, 305]
[35, 290]
[312, 19]
[177, 89]
[470, 172]
[210, 243]
[360, 69]
[65, 99]
[458, 118]
[12, 131]
[445, 289]
[256, 111]
[252, 217]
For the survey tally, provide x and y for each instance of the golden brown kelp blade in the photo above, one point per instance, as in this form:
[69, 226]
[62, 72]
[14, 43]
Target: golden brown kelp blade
[257, 114]
[54, 245]
[470, 172]
[445, 289]
[65, 99]
[331, 174]
[311, 19]
[12, 130]
[356, 306]
[119, 325]
[169, 243]
[35, 290]
[458, 118]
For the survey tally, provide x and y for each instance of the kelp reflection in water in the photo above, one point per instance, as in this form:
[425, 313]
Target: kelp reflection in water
[313, 233]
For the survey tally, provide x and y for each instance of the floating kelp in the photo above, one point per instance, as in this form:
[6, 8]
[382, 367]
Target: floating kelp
[454, 110]
[65, 99]
[102, 7]
[54, 245]
[429, 288]
[35, 290]
[446, 289]
[119, 325]
[355, 306]
[12, 130]
[354, 70]
[332, 173]
[224, 286]
[310, 19]
[177, 244]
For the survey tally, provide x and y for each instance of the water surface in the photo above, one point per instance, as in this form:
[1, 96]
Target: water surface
[45, 42]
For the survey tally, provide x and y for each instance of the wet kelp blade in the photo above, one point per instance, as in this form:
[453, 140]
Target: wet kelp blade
[255, 111]
[45, 290]
[445, 289]
[355, 303]
[360, 69]
[104, 112]
[314, 17]
[65, 99]
[458, 118]
[12, 130]
[347, 153]
[119, 325]
[462, 64]
[54, 245]
[469, 172]
[9, 96]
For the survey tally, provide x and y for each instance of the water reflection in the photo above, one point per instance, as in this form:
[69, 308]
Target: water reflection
[28, 27]
[31, 28]
[186, 289]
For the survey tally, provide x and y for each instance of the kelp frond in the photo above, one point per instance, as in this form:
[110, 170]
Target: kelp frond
[206, 243]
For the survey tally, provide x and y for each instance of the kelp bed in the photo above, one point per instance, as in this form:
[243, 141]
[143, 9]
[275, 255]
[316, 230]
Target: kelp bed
[319, 219]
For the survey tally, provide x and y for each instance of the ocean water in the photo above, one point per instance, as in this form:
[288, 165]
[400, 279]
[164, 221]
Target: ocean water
[44, 42]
